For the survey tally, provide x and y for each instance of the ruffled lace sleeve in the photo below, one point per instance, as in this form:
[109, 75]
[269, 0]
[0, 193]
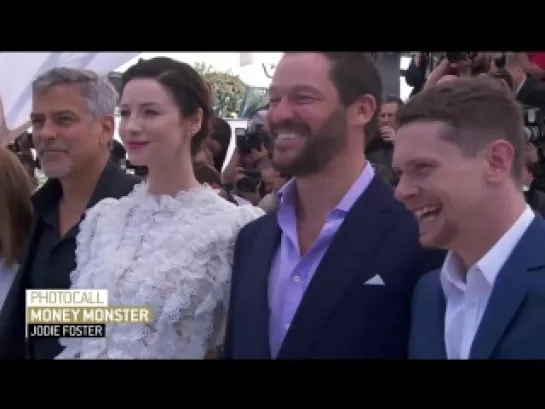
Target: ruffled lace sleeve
[88, 228]
[172, 254]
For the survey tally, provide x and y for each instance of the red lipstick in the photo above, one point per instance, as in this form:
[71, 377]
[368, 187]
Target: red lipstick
[135, 145]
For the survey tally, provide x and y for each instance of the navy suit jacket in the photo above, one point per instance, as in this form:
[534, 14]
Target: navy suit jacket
[339, 317]
[513, 324]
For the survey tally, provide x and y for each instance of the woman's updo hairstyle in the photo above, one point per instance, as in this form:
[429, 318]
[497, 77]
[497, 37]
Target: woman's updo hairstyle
[185, 85]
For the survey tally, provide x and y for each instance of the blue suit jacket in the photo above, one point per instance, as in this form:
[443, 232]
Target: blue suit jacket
[339, 317]
[513, 324]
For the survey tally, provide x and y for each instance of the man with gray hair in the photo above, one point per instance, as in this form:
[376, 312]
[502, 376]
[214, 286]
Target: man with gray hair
[73, 125]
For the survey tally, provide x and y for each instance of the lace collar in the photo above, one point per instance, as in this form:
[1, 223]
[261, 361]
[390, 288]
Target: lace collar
[185, 198]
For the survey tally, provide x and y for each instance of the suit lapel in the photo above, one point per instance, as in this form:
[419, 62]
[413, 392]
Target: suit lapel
[256, 286]
[437, 303]
[360, 235]
[509, 290]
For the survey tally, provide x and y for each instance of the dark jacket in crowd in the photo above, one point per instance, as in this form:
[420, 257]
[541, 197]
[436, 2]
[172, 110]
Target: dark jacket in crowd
[415, 76]
[532, 93]
[536, 199]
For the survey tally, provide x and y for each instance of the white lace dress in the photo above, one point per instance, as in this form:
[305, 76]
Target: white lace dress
[173, 254]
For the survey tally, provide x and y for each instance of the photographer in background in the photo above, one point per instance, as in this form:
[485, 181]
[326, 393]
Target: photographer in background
[528, 90]
[118, 154]
[457, 64]
[243, 173]
[534, 64]
[273, 182]
[251, 147]
[206, 174]
[415, 76]
[534, 126]
[218, 142]
[249, 187]
[531, 94]
[380, 149]
[532, 176]
[22, 147]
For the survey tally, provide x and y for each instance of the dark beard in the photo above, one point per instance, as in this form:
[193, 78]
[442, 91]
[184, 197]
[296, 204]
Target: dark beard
[320, 148]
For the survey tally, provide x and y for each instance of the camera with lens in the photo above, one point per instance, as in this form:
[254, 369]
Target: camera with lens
[254, 136]
[534, 125]
[248, 139]
[457, 56]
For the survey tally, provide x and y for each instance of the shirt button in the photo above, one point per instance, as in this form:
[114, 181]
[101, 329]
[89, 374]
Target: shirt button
[296, 279]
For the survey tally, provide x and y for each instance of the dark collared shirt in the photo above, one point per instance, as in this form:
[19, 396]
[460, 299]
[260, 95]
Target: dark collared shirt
[53, 256]
[53, 262]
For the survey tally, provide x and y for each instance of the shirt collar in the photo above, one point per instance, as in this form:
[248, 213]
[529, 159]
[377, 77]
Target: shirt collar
[492, 262]
[286, 195]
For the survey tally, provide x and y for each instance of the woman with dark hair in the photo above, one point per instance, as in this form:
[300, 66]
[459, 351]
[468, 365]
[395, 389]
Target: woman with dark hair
[167, 245]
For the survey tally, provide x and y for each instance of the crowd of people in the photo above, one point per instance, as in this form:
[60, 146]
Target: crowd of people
[519, 73]
[284, 250]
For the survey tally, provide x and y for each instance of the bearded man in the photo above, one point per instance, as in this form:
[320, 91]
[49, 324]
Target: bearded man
[330, 274]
